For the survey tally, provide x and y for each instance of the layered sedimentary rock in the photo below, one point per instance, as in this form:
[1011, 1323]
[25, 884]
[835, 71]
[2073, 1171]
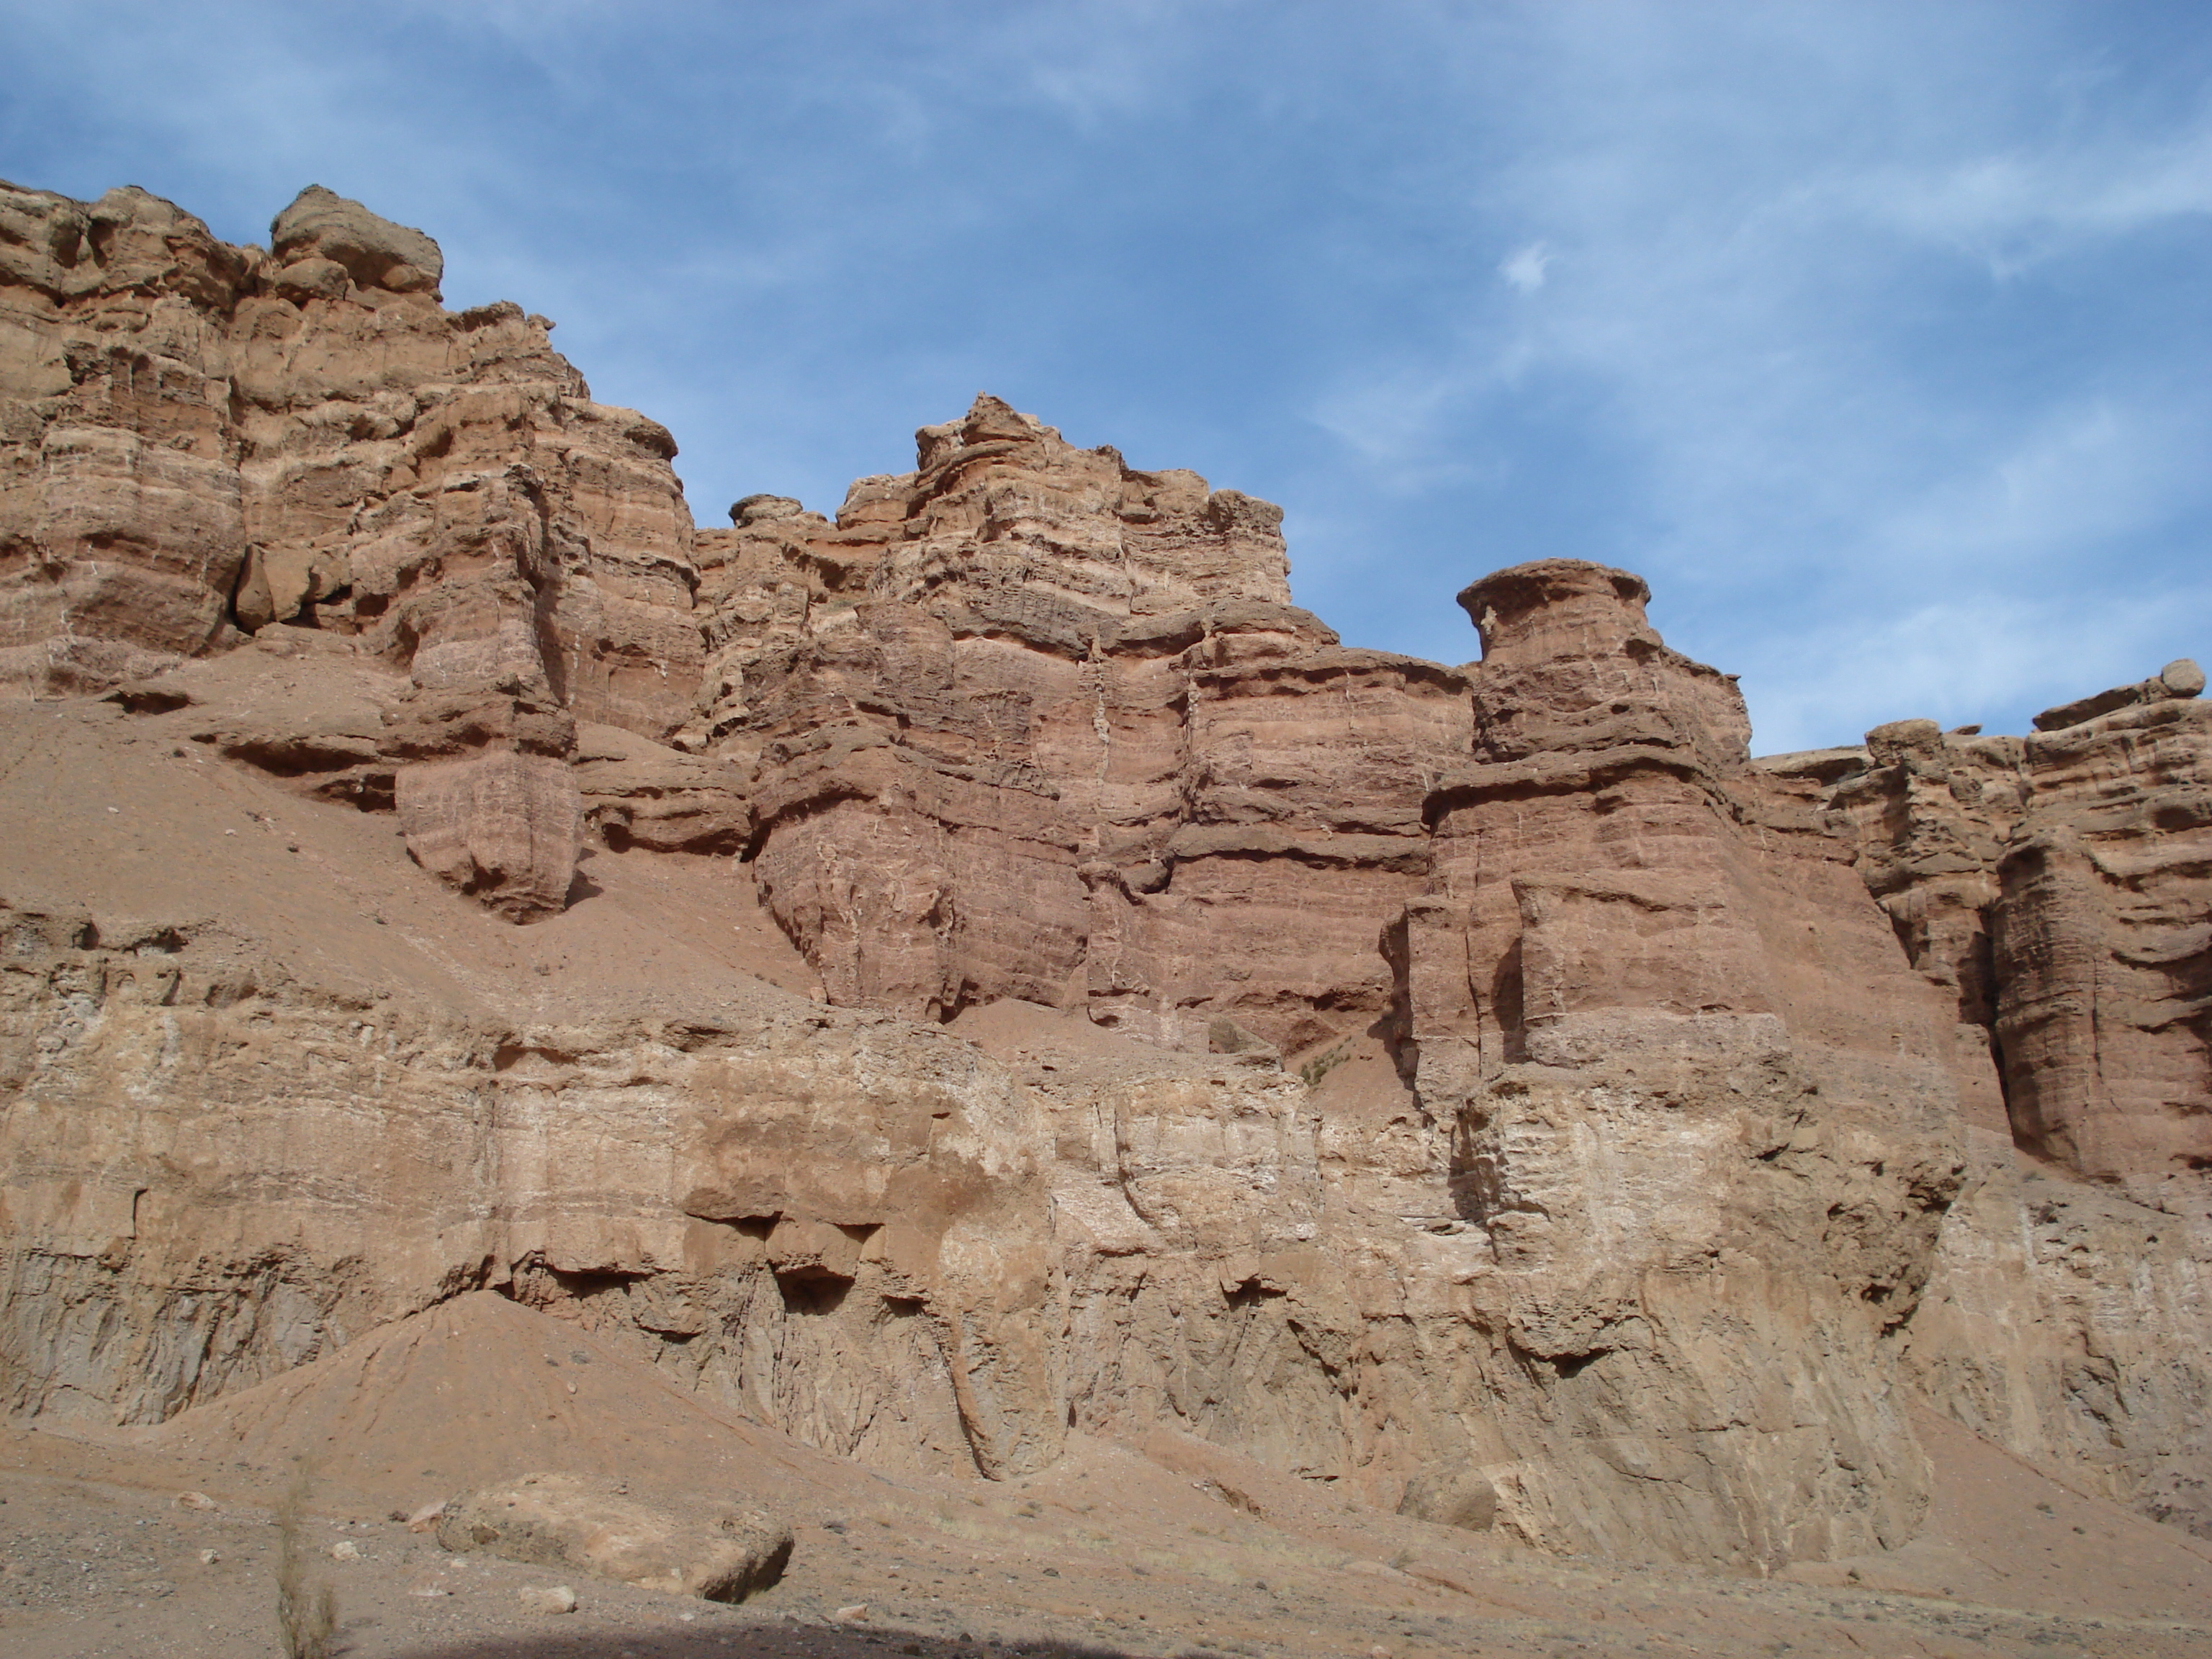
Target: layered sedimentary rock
[198, 440]
[2058, 886]
[2055, 889]
[232, 1145]
[2073, 1323]
[1026, 724]
[1485, 1073]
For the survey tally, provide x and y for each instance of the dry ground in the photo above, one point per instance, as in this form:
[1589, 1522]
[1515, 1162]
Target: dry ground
[1166, 1548]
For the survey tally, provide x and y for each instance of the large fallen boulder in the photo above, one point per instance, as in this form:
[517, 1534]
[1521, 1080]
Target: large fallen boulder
[718, 1552]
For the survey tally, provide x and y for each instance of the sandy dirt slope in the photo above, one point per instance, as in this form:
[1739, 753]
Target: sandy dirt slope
[1166, 1548]
[123, 816]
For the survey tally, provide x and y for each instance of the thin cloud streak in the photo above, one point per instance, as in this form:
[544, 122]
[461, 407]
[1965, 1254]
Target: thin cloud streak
[1824, 318]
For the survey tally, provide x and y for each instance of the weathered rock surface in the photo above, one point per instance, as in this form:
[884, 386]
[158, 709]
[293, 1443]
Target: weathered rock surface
[1484, 1089]
[322, 226]
[719, 1554]
[198, 440]
[2178, 678]
[2055, 890]
[2074, 1325]
[487, 799]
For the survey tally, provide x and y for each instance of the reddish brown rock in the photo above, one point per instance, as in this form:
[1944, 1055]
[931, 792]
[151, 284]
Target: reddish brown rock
[1031, 723]
[1292, 844]
[637, 792]
[2052, 890]
[1479, 1081]
[2054, 886]
[324, 228]
[199, 441]
[2178, 678]
[486, 797]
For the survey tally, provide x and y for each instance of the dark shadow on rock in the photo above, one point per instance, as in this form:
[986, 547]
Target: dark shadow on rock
[581, 887]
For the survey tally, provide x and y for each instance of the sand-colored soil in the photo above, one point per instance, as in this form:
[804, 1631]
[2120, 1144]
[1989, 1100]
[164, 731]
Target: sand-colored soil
[1168, 1547]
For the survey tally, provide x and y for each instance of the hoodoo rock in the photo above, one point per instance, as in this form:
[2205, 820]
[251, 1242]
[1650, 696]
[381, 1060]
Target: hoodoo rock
[999, 968]
[325, 227]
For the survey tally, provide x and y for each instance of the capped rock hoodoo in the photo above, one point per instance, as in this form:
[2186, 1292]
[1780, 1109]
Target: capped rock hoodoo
[996, 968]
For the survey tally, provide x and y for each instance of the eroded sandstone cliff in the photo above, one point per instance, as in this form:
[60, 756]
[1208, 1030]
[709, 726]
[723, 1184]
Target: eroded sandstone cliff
[203, 441]
[996, 965]
[2056, 891]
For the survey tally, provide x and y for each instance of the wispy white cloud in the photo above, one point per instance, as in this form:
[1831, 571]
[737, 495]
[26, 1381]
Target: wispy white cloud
[1802, 312]
[1838, 322]
[2014, 208]
[1525, 268]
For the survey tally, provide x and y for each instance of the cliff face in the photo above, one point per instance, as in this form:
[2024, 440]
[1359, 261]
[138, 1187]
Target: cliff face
[1028, 723]
[2055, 890]
[203, 441]
[997, 966]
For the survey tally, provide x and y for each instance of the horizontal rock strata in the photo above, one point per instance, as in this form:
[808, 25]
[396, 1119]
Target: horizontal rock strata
[2055, 890]
[999, 967]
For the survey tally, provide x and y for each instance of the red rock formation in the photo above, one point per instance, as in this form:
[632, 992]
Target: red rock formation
[2056, 887]
[1029, 723]
[2054, 890]
[487, 799]
[1553, 887]
[198, 440]
[1607, 1178]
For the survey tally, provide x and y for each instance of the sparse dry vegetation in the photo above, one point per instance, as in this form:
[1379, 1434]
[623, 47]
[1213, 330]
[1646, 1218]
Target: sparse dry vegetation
[1314, 1070]
[306, 1609]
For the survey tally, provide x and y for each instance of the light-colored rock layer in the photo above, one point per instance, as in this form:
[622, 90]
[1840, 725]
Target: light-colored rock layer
[1613, 1170]
[715, 1551]
[2074, 1325]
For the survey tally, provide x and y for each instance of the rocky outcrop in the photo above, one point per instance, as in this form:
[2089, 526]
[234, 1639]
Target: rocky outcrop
[1625, 995]
[2074, 1325]
[2178, 678]
[1483, 1088]
[686, 1547]
[199, 441]
[2053, 890]
[322, 229]
[486, 796]
[2056, 886]
[1029, 723]
[1490, 1224]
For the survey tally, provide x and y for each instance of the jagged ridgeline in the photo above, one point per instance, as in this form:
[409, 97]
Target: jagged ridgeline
[995, 967]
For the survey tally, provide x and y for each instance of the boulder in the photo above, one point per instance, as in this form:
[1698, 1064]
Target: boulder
[278, 583]
[322, 225]
[637, 792]
[1451, 1498]
[688, 1547]
[2180, 679]
[762, 509]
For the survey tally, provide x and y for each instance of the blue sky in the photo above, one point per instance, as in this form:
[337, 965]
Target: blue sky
[1876, 336]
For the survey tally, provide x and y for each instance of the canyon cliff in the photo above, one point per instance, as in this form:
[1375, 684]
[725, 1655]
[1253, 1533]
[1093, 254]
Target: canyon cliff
[989, 966]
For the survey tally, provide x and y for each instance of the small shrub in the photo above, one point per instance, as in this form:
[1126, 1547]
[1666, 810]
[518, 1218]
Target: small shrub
[1314, 1071]
[306, 1611]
